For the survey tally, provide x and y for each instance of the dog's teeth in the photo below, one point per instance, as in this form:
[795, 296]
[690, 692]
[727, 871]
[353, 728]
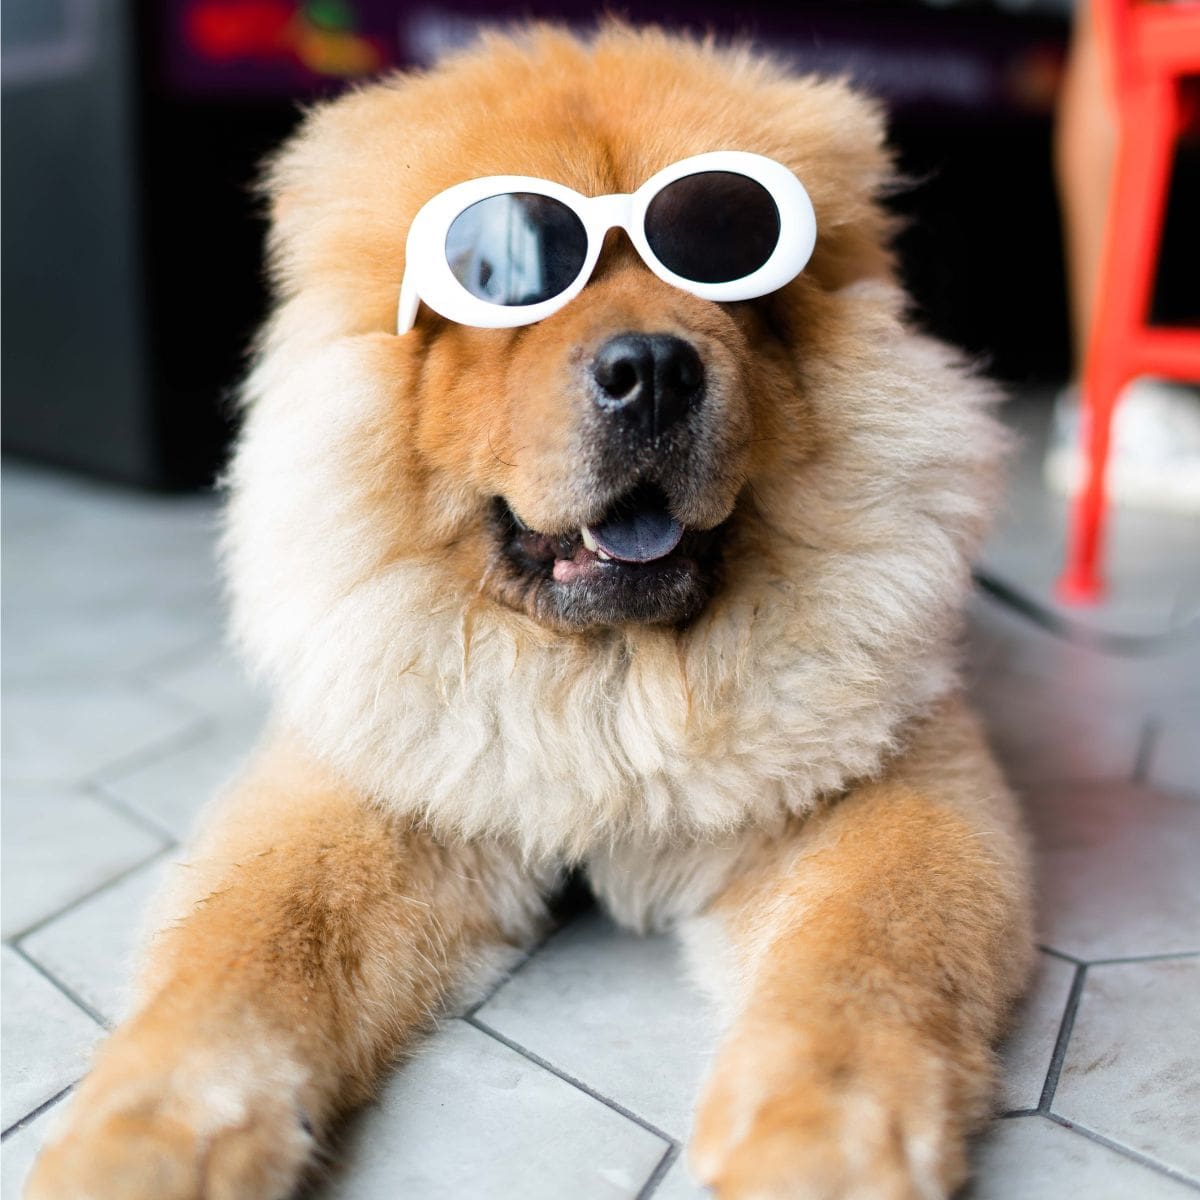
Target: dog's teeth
[590, 542]
[602, 556]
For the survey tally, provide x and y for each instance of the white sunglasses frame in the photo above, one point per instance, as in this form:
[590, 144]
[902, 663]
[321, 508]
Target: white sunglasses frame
[428, 278]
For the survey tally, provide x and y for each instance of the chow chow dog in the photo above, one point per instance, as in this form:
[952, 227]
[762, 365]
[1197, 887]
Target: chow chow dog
[660, 581]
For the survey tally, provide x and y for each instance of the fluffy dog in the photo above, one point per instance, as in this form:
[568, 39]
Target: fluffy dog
[759, 740]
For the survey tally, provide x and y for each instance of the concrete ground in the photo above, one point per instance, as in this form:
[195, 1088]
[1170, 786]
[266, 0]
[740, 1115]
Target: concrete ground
[577, 1076]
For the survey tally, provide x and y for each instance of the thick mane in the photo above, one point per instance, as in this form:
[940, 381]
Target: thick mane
[835, 626]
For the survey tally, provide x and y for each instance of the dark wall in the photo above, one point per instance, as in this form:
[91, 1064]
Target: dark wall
[132, 244]
[981, 251]
[74, 372]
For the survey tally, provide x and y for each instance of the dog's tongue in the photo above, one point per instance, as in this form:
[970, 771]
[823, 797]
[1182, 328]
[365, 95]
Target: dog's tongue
[638, 534]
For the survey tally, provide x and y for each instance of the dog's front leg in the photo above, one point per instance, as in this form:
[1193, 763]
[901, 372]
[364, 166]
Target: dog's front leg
[873, 954]
[313, 938]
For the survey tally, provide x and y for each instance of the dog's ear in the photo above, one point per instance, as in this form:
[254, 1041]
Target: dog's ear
[835, 138]
[339, 211]
[281, 193]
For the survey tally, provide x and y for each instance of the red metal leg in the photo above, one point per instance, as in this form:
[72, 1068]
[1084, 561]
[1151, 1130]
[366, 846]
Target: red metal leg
[1082, 581]
[1138, 195]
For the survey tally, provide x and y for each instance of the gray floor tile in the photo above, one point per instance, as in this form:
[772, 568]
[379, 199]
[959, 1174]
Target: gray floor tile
[677, 1184]
[171, 789]
[615, 1011]
[1117, 873]
[1134, 1060]
[45, 1039]
[1054, 710]
[1175, 758]
[212, 681]
[92, 948]
[112, 649]
[1026, 1052]
[1032, 1158]
[60, 845]
[19, 1150]
[468, 1117]
[68, 730]
[1142, 596]
[71, 538]
[1005, 644]
[1150, 556]
[67, 640]
[1040, 733]
[1188, 607]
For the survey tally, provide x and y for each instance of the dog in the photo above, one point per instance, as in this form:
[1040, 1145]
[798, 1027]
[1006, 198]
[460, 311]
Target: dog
[635, 543]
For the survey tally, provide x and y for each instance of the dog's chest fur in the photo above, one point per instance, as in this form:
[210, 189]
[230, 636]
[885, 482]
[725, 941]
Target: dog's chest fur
[793, 682]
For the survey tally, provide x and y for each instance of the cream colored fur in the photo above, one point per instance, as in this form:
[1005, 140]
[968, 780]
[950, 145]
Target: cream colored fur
[792, 778]
[838, 629]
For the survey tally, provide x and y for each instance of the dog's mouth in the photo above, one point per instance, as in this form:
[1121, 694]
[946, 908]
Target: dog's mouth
[637, 562]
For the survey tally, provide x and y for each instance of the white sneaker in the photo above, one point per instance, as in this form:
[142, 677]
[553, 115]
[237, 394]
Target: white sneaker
[1154, 455]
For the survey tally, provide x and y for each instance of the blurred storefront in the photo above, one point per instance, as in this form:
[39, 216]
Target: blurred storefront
[132, 245]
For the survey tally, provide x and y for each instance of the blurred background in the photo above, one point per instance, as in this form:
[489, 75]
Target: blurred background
[132, 287]
[132, 268]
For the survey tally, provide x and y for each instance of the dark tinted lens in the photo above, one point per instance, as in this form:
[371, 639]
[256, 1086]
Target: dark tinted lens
[518, 248]
[713, 227]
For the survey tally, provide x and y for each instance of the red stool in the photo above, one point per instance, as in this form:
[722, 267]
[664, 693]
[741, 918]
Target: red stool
[1150, 47]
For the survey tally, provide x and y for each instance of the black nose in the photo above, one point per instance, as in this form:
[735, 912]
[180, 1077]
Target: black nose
[648, 380]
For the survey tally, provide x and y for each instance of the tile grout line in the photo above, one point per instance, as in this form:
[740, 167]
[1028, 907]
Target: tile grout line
[1062, 956]
[150, 674]
[670, 1154]
[133, 677]
[1144, 958]
[200, 727]
[66, 990]
[100, 793]
[34, 1113]
[1165, 956]
[992, 585]
[1147, 744]
[515, 969]
[1059, 1054]
[1025, 784]
[15, 939]
[1125, 1151]
[578, 1084]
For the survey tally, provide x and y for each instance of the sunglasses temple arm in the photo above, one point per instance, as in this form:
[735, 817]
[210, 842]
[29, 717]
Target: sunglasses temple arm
[406, 312]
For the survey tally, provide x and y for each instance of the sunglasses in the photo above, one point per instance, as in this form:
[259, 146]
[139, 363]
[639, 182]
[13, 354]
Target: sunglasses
[509, 250]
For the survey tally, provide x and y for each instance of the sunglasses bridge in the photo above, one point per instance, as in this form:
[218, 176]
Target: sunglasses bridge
[613, 211]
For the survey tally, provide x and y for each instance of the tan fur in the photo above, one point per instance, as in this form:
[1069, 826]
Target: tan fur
[873, 951]
[315, 936]
[791, 775]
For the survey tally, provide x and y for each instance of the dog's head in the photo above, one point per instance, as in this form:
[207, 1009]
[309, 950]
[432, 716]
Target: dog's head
[406, 540]
[636, 407]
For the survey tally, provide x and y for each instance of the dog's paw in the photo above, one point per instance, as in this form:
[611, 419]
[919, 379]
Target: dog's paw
[879, 1117]
[205, 1128]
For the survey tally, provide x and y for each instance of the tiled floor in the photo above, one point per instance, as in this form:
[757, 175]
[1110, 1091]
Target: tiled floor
[577, 1076]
